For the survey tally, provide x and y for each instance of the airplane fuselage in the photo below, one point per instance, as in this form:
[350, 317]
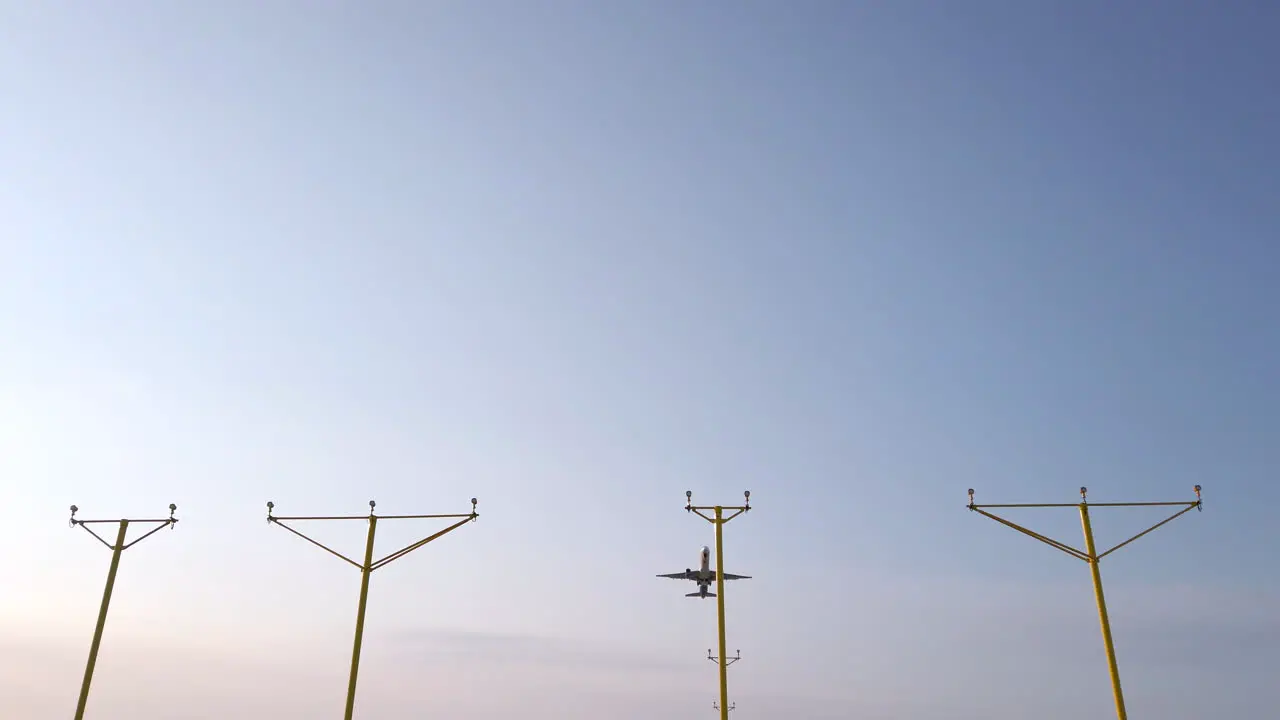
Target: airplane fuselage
[704, 576]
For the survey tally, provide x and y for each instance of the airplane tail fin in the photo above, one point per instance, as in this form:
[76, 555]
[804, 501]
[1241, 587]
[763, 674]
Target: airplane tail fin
[698, 594]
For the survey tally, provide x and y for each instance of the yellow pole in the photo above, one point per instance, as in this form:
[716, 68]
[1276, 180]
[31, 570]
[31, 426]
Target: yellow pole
[724, 666]
[1091, 550]
[102, 619]
[368, 566]
[365, 572]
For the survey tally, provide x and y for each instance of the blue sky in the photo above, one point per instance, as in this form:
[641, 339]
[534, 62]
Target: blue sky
[576, 258]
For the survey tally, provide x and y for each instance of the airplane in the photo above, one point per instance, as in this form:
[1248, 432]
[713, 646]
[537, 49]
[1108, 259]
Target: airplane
[704, 576]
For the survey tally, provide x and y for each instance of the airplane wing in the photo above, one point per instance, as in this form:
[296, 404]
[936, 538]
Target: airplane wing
[679, 576]
[730, 576]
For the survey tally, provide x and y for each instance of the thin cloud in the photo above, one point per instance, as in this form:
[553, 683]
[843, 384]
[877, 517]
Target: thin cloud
[431, 646]
[1187, 643]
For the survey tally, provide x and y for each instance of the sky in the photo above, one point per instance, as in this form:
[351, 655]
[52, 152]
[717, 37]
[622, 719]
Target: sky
[574, 259]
